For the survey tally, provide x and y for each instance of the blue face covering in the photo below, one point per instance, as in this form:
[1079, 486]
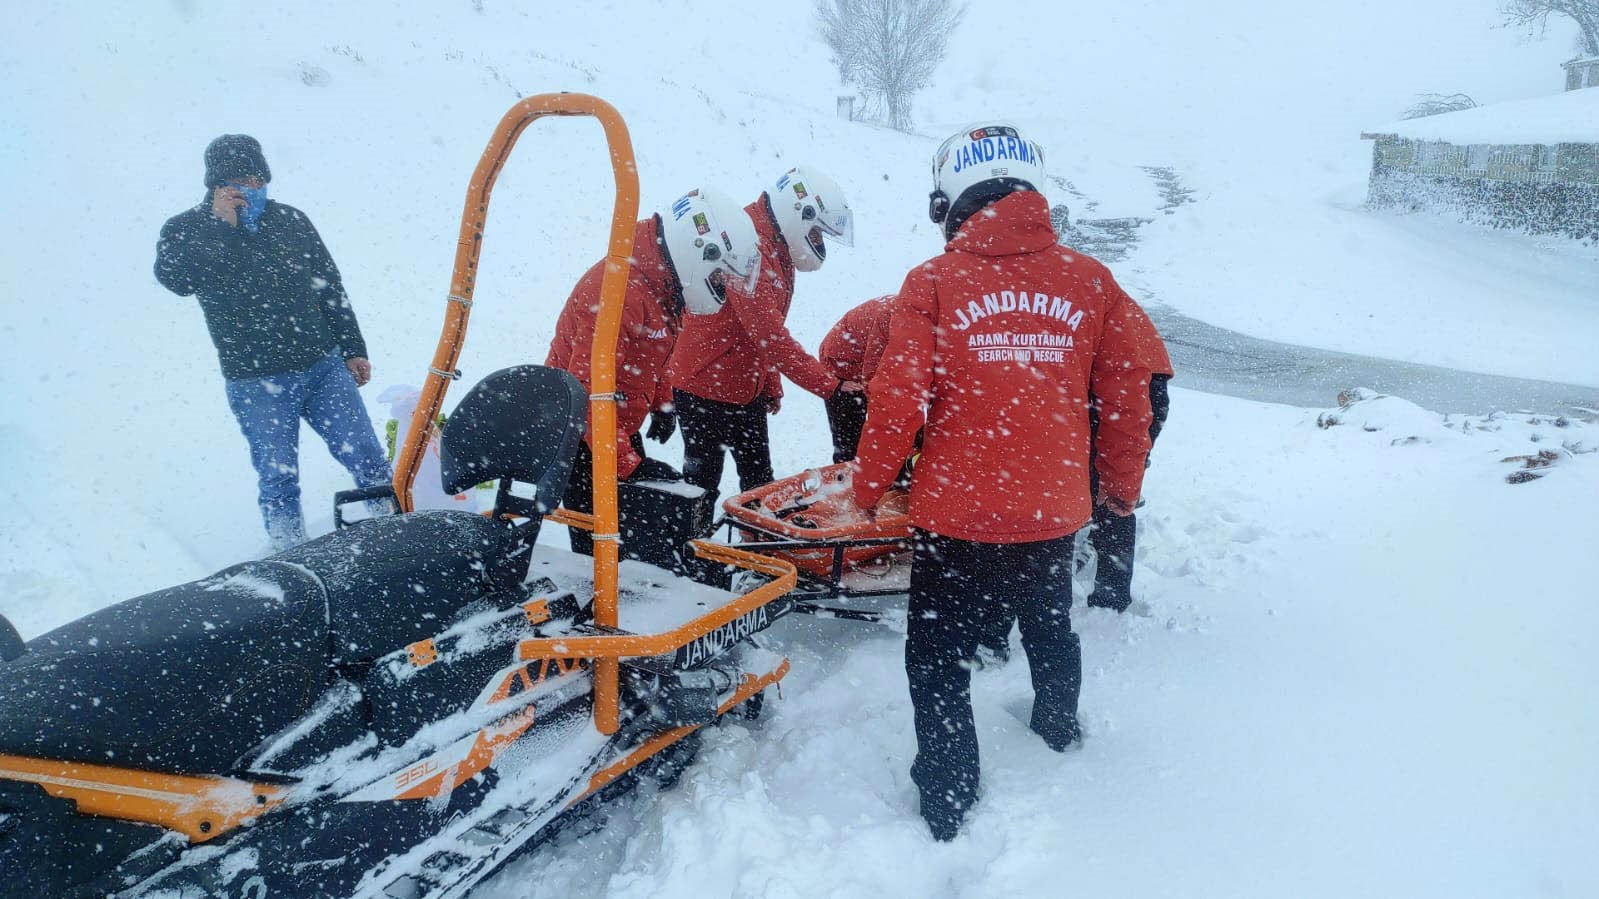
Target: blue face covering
[255, 200]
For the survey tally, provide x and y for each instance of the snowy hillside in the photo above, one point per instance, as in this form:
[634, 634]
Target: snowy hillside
[1366, 668]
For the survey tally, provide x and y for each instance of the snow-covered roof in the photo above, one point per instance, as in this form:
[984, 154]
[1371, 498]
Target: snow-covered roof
[1566, 118]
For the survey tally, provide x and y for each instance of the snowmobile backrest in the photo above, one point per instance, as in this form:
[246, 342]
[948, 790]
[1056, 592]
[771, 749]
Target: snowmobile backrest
[522, 424]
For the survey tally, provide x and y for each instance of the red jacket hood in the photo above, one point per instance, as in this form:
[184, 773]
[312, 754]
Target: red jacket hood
[1019, 223]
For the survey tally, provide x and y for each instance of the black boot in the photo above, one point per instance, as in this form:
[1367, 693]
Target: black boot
[1055, 693]
[993, 647]
[988, 656]
[943, 816]
[1100, 600]
[1061, 733]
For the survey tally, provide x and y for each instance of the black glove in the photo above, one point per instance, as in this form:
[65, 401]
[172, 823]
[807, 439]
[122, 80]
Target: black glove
[662, 424]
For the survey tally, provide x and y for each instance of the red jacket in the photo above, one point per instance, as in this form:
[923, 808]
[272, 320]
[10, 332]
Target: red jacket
[643, 345]
[1151, 352]
[855, 345]
[738, 354]
[1000, 342]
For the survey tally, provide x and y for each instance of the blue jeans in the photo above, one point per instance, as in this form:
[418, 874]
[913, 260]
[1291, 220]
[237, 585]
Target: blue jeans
[269, 411]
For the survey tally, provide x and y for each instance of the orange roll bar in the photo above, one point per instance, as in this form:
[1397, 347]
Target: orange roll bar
[602, 399]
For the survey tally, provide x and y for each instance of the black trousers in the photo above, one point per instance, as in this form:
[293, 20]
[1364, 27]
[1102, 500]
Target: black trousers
[846, 417]
[1115, 537]
[960, 591]
[712, 428]
[1115, 542]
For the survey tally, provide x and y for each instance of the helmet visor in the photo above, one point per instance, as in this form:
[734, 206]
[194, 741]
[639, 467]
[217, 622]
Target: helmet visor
[742, 268]
[839, 224]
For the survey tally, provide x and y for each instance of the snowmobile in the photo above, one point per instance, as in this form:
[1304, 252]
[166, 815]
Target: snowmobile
[396, 708]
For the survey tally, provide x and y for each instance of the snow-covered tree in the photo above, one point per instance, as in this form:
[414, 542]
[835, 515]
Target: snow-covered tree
[888, 48]
[1536, 13]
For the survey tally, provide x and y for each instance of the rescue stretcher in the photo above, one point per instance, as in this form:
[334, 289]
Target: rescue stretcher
[850, 564]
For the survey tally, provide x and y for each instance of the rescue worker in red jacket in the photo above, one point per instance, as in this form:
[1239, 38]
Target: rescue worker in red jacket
[727, 369]
[684, 260]
[997, 345]
[852, 350]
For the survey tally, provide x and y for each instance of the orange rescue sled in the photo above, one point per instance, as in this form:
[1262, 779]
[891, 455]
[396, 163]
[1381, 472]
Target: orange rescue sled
[814, 511]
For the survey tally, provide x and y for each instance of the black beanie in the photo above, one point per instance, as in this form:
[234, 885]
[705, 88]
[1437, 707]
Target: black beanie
[235, 156]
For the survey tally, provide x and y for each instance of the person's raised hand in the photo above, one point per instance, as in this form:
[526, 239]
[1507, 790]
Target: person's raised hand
[225, 204]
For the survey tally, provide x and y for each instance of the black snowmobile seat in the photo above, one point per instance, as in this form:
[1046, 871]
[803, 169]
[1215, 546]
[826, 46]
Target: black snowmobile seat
[192, 678]
[394, 580]
[188, 679]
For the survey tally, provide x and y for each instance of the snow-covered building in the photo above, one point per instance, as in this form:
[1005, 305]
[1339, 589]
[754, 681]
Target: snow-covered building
[1527, 164]
[1582, 73]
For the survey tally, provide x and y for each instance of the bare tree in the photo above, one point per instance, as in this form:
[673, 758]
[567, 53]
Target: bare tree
[888, 48]
[1535, 14]
[1436, 104]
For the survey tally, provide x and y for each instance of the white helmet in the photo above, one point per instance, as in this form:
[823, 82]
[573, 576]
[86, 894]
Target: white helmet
[807, 205]
[710, 240]
[978, 165]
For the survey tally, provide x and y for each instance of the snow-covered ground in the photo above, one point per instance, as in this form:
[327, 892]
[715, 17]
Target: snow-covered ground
[1366, 665]
[1365, 674]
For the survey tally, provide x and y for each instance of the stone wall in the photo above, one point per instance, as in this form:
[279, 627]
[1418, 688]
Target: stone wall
[1541, 190]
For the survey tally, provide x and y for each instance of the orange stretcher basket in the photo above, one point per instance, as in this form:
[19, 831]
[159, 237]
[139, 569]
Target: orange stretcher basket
[816, 511]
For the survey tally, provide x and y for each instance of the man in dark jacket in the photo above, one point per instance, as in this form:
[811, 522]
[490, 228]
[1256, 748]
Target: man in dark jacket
[284, 330]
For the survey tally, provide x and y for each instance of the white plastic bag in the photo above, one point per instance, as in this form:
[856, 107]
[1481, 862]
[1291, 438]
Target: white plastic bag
[427, 492]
